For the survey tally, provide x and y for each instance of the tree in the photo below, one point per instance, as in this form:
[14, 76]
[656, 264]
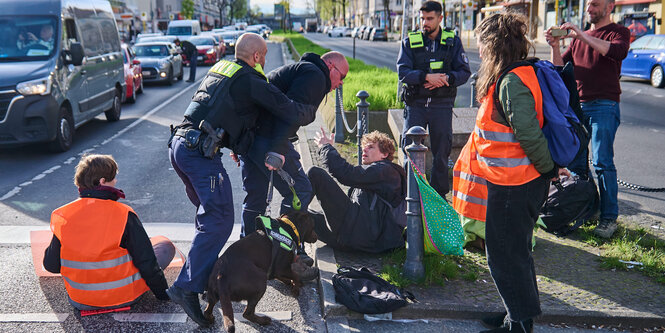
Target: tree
[222, 6]
[255, 14]
[187, 9]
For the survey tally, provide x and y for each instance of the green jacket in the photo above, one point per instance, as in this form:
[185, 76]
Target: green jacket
[522, 118]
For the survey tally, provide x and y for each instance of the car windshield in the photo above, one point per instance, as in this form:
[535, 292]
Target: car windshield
[229, 36]
[180, 31]
[151, 50]
[26, 38]
[202, 41]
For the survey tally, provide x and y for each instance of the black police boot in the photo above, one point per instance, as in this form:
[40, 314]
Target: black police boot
[495, 321]
[304, 258]
[525, 326]
[189, 301]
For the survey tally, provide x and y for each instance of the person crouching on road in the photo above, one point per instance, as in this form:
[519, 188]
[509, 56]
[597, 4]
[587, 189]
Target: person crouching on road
[99, 245]
[513, 157]
[365, 220]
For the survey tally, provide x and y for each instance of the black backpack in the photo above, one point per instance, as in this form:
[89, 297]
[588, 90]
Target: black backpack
[362, 291]
[569, 203]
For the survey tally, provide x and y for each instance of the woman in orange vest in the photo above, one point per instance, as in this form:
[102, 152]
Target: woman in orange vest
[99, 245]
[513, 159]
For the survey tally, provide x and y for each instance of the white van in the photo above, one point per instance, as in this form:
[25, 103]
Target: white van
[184, 28]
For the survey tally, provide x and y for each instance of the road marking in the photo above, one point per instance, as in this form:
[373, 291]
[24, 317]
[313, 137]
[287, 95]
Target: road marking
[151, 317]
[33, 317]
[43, 174]
[274, 315]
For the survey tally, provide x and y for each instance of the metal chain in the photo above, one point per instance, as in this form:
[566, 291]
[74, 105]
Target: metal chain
[363, 120]
[635, 186]
[340, 102]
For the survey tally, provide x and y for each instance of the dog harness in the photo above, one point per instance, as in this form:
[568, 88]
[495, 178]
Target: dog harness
[282, 233]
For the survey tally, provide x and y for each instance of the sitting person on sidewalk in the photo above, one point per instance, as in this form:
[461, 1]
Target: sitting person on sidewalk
[364, 220]
[99, 245]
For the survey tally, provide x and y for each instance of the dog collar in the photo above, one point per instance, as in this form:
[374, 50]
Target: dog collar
[293, 226]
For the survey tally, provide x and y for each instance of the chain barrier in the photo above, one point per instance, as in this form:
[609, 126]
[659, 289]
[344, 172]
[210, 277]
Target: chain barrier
[339, 102]
[635, 186]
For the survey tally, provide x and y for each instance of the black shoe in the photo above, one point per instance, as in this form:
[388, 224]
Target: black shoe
[513, 326]
[495, 321]
[189, 301]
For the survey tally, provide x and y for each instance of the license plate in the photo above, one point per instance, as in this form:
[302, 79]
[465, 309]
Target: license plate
[146, 72]
[199, 58]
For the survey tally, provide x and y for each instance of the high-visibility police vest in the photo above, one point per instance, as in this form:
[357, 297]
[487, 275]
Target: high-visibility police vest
[495, 153]
[95, 269]
[438, 61]
[216, 106]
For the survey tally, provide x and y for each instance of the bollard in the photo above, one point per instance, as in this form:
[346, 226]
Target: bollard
[413, 266]
[339, 122]
[474, 77]
[354, 47]
[363, 121]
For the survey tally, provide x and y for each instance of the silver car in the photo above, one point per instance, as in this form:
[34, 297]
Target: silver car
[160, 61]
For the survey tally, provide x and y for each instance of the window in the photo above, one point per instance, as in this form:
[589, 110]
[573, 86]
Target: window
[109, 36]
[91, 37]
[640, 43]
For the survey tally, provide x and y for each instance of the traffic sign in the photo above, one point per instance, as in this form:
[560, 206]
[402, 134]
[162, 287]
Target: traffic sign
[144, 16]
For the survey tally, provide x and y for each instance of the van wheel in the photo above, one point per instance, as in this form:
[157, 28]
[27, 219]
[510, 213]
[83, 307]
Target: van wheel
[64, 132]
[657, 77]
[132, 98]
[113, 114]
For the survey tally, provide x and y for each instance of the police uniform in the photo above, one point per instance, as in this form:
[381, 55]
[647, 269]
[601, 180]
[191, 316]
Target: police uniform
[231, 98]
[418, 57]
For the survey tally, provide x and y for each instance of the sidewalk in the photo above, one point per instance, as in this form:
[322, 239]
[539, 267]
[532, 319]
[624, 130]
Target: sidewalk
[574, 289]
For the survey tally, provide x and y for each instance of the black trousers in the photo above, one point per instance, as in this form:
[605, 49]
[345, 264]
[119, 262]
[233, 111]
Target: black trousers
[512, 212]
[334, 202]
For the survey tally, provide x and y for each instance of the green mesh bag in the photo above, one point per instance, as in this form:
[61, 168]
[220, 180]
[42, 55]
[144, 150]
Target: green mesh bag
[443, 233]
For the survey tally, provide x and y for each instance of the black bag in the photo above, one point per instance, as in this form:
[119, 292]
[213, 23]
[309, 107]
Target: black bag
[574, 201]
[362, 291]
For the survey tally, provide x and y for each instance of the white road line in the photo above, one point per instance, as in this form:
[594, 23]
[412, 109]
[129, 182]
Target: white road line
[33, 317]
[43, 174]
[274, 315]
[151, 317]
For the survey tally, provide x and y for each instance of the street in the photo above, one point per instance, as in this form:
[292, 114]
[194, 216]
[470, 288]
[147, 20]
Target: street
[637, 144]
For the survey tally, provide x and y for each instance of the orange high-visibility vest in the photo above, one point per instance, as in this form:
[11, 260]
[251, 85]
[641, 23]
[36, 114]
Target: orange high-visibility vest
[95, 269]
[493, 154]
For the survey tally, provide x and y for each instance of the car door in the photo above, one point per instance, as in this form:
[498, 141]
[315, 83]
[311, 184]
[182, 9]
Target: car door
[94, 66]
[176, 59]
[629, 66]
[75, 76]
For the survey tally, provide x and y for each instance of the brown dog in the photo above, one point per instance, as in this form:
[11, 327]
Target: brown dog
[241, 273]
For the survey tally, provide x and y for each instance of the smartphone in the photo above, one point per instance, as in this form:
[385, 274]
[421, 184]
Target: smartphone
[556, 32]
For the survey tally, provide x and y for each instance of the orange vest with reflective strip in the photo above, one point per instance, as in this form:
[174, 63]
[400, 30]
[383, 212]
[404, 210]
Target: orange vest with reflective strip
[95, 269]
[493, 154]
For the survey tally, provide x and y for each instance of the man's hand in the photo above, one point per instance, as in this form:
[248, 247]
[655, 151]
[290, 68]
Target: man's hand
[435, 80]
[551, 40]
[573, 30]
[321, 138]
[234, 157]
[561, 172]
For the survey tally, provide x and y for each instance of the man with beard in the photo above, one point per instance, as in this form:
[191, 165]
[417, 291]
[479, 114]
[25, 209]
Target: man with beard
[597, 54]
[431, 64]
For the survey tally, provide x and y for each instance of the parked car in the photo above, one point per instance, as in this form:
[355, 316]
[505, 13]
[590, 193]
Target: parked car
[230, 38]
[378, 34]
[338, 32]
[354, 32]
[210, 51]
[646, 60]
[133, 75]
[160, 62]
[48, 90]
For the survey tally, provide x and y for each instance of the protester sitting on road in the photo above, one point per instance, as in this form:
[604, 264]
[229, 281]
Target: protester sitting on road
[99, 245]
[364, 220]
[512, 155]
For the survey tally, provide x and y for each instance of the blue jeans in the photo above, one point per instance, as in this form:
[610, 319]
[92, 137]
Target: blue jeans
[208, 187]
[440, 122]
[602, 118]
[255, 179]
[192, 66]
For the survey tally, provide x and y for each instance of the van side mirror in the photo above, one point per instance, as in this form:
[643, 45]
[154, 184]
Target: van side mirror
[76, 54]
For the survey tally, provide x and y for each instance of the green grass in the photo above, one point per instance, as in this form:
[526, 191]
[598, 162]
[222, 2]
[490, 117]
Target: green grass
[380, 83]
[629, 244]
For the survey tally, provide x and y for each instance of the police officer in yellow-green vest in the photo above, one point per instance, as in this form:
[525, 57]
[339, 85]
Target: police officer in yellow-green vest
[431, 64]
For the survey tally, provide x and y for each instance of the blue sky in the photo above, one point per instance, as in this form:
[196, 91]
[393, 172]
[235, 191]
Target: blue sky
[297, 6]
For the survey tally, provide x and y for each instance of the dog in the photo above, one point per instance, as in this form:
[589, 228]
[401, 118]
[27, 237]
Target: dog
[242, 271]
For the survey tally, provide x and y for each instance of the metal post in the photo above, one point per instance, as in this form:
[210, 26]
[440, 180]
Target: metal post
[413, 266]
[363, 121]
[354, 47]
[339, 122]
[474, 77]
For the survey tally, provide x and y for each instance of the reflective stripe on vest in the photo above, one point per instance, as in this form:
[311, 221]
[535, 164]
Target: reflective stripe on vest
[499, 158]
[469, 189]
[415, 40]
[225, 68]
[96, 270]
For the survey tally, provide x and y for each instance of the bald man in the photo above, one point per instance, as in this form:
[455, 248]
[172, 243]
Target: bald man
[223, 114]
[307, 81]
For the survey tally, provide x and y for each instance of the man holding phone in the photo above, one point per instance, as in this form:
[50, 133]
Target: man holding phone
[597, 54]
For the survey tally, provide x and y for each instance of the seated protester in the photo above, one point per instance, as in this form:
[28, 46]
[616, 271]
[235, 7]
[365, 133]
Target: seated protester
[99, 245]
[364, 219]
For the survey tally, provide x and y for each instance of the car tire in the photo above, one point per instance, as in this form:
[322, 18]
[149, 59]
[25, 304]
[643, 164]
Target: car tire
[171, 77]
[657, 79]
[113, 114]
[65, 132]
[140, 90]
[132, 98]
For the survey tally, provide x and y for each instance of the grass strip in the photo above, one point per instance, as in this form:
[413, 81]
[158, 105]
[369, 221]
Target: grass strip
[380, 83]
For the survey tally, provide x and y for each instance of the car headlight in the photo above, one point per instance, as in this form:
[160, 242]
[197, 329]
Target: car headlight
[210, 51]
[232, 44]
[34, 87]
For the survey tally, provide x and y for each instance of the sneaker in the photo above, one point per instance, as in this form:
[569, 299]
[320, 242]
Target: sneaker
[189, 301]
[513, 326]
[605, 228]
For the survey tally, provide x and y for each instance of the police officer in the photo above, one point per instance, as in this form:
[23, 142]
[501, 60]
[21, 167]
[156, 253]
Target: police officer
[431, 64]
[307, 81]
[223, 113]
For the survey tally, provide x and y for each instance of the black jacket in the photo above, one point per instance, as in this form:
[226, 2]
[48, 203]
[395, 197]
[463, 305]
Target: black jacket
[188, 48]
[369, 224]
[306, 81]
[135, 240]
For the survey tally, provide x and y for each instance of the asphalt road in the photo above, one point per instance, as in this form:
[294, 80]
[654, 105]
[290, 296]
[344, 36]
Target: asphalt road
[638, 150]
